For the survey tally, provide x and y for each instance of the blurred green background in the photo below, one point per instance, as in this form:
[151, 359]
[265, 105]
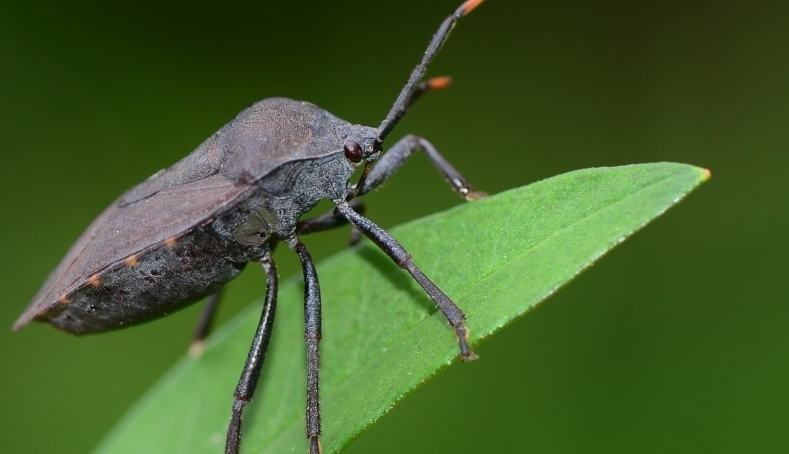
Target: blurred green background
[677, 341]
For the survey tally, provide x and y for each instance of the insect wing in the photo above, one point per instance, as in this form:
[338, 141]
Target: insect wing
[125, 229]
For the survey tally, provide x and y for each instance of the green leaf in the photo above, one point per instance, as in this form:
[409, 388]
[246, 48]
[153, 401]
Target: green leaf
[497, 258]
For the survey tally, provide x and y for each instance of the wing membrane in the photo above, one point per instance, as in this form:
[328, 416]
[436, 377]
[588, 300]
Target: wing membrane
[126, 228]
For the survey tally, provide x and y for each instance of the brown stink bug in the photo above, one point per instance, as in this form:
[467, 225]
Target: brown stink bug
[189, 229]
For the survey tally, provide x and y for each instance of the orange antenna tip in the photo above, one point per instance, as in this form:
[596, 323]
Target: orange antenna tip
[469, 5]
[439, 83]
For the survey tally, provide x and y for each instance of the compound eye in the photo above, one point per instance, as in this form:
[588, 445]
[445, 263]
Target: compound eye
[353, 151]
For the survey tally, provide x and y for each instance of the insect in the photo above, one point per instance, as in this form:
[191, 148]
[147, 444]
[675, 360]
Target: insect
[182, 234]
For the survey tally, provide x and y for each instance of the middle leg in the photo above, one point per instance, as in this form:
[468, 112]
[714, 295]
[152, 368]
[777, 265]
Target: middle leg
[395, 251]
[332, 220]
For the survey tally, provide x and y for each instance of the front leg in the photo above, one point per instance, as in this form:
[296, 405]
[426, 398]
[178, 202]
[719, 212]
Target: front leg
[393, 159]
[312, 334]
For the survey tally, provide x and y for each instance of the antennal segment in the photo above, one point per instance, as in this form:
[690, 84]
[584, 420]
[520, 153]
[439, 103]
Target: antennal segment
[413, 90]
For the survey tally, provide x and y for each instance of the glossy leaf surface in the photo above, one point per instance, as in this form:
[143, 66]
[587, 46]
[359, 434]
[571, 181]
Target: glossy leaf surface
[497, 258]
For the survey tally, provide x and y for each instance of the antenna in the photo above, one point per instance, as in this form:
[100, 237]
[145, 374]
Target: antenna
[415, 88]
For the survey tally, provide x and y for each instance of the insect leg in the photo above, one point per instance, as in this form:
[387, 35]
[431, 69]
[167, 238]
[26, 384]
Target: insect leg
[257, 354]
[402, 258]
[203, 325]
[332, 220]
[391, 161]
[312, 334]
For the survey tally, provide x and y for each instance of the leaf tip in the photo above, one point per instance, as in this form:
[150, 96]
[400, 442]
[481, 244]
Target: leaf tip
[705, 175]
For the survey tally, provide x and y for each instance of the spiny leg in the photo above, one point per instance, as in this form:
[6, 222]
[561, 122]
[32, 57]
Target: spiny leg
[393, 159]
[257, 354]
[402, 258]
[197, 346]
[312, 334]
[332, 220]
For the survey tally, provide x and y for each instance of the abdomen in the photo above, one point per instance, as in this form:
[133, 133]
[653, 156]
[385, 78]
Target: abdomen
[148, 285]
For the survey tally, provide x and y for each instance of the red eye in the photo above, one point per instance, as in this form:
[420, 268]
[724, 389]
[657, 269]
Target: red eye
[353, 151]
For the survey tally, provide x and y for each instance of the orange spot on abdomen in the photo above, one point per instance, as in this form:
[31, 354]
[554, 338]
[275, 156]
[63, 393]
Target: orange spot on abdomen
[132, 261]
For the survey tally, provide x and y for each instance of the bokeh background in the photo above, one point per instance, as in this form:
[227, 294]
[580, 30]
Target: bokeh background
[677, 341]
